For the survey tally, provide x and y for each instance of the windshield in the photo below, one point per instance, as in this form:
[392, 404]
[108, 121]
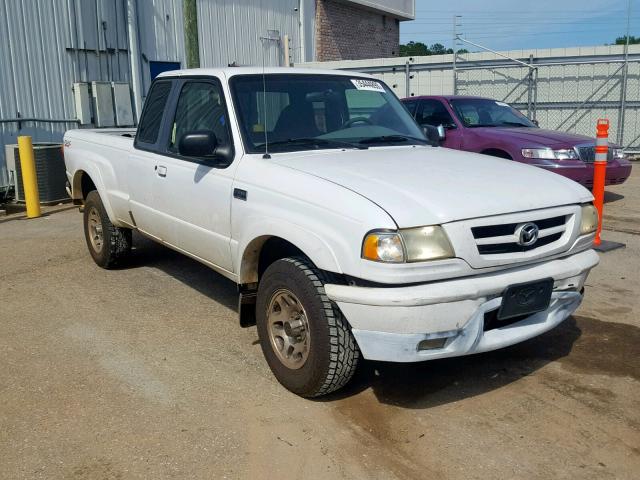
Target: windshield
[295, 112]
[482, 112]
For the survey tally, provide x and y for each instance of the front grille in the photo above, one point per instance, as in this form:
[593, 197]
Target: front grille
[509, 228]
[514, 247]
[587, 153]
[500, 239]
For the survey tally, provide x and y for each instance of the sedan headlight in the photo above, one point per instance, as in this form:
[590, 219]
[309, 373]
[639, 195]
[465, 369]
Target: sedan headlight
[588, 219]
[408, 245]
[618, 153]
[550, 154]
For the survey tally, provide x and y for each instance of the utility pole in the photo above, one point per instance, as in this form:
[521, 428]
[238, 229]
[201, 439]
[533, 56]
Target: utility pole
[134, 56]
[192, 47]
[455, 52]
[623, 84]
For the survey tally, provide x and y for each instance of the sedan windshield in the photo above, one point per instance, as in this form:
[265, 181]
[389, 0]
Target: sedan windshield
[482, 112]
[293, 112]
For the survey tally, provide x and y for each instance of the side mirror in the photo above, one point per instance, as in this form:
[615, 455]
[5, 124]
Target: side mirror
[536, 123]
[202, 143]
[435, 135]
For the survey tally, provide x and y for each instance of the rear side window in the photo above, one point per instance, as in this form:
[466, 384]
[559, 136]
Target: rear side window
[152, 113]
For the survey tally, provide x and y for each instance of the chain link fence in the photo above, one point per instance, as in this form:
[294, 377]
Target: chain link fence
[562, 89]
[567, 96]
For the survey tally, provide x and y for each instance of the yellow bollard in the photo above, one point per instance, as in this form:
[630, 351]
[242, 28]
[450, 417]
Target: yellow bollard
[29, 177]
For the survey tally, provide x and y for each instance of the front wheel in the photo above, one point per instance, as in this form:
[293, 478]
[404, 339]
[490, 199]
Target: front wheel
[304, 337]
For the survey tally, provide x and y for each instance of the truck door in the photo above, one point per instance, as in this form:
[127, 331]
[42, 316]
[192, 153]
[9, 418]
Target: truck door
[142, 162]
[194, 194]
[434, 112]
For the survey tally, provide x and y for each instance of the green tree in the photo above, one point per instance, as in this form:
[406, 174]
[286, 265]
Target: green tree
[419, 49]
[439, 49]
[623, 40]
[414, 49]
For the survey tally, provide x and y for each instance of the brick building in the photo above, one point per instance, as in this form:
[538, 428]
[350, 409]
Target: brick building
[352, 30]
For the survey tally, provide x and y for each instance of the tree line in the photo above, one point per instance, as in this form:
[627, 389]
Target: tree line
[419, 49]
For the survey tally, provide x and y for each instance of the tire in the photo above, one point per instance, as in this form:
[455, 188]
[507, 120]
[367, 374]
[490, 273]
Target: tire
[330, 356]
[107, 243]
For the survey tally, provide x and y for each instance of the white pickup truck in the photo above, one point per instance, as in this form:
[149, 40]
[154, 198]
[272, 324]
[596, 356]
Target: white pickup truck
[347, 233]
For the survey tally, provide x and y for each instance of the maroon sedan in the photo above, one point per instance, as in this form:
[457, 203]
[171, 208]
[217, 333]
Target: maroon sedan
[494, 128]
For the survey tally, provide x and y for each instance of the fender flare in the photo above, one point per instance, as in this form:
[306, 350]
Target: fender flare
[312, 245]
[95, 176]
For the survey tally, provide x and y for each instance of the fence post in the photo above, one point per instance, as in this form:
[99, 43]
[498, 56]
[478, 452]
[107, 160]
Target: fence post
[600, 171]
[407, 84]
[29, 177]
[530, 87]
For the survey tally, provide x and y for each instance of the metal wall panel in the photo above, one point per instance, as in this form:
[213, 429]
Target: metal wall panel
[405, 9]
[47, 45]
[161, 34]
[230, 31]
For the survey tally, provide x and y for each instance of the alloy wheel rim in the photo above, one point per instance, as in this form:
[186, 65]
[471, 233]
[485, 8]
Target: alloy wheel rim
[96, 236]
[288, 329]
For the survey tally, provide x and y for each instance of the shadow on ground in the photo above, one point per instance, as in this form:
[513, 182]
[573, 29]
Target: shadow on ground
[580, 345]
[610, 197]
[147, 253]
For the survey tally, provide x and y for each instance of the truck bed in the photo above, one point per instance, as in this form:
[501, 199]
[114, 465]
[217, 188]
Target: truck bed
[117, 138]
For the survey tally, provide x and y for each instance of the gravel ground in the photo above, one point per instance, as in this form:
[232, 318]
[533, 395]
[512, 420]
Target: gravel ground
[143, 372]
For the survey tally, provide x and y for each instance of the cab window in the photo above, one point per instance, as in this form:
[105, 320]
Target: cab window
[152, 114]
[200, 108]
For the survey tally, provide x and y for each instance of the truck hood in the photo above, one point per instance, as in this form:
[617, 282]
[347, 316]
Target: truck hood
[427, 185]
[524, 137]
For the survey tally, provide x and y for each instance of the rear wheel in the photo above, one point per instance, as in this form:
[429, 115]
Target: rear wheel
[107, 243]
[304, 337]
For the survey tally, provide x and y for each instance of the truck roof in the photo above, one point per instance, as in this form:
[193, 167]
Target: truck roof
[232, 71]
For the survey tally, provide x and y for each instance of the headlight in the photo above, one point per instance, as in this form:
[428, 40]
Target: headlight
[383, 247]
[550, 154]
[589, 219]
[408, 245]
[618, 153]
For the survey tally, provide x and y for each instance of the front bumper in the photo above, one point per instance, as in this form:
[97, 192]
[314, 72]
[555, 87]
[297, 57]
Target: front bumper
[582, 173]
[389, 323]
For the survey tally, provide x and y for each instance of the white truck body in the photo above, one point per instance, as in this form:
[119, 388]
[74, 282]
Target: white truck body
[326, 201]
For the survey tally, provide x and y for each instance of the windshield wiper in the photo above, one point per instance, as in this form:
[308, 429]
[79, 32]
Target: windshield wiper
[515, 124]
[391, 139]
[314, 142]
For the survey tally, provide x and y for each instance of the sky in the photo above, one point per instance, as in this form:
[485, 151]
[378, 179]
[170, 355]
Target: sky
[520, 24]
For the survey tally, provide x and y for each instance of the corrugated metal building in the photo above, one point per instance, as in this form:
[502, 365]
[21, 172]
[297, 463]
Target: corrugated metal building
[47, 46]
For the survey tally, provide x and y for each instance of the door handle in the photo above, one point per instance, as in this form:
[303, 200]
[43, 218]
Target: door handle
[162, 171]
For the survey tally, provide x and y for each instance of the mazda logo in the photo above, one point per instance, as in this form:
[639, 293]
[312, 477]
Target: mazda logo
[527, 234]
[527, 296]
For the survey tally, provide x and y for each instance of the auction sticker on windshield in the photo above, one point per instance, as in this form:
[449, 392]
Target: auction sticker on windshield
[370, 85]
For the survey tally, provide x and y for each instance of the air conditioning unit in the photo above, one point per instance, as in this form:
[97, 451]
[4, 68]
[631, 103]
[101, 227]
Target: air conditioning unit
[50, 171]
[5, 178]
